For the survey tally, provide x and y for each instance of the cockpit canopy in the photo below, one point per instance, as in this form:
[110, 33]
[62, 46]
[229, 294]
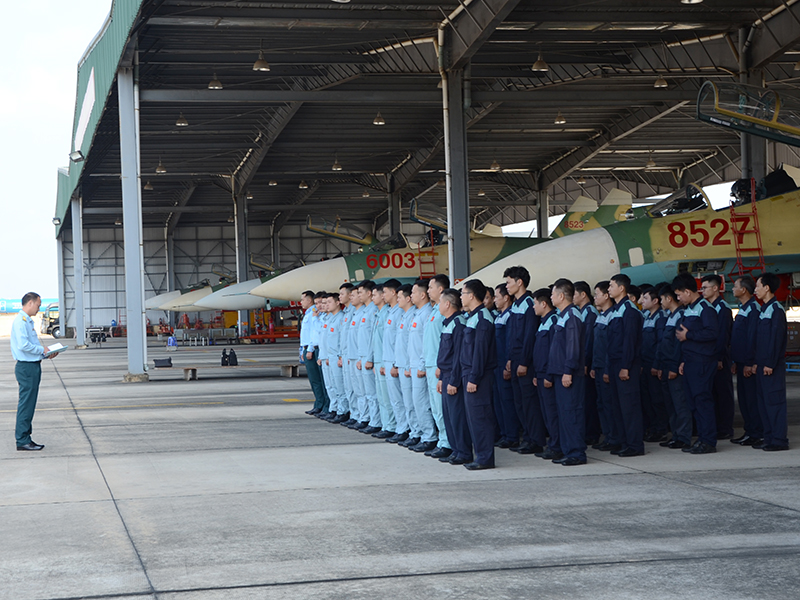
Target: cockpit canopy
[685, 200]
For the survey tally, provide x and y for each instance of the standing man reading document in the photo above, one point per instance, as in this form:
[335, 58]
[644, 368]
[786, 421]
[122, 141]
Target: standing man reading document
[28, 352]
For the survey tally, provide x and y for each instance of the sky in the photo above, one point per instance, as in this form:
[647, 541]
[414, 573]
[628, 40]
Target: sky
[42, 43]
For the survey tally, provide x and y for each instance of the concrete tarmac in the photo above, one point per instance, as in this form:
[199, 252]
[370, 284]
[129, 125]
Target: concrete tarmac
[223, 488]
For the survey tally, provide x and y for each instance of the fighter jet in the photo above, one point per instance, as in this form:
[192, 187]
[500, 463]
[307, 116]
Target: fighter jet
[397, 258]
[156, 302]
[679, 233]
[236, 296]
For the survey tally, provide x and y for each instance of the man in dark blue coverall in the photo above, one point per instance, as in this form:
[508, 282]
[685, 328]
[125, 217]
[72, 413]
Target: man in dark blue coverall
[478, 362]
[624, 367]
[543, 381]
[743, 355]
[522, 326]
[698, 335]
[567, 365]
[448, 370]
[771, 365]
[722, 390]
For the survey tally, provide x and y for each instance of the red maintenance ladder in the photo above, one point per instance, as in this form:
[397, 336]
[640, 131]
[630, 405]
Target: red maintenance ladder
[427, 259]
[744, 222]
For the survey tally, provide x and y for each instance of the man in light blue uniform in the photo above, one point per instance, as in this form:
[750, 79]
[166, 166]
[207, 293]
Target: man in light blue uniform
[322, 353]
[430, 347]
[381, 388]
[419, 383]
[402, 363]
[358, 408]
[346, 291]
[308, 343]
[366, 364]
[331, 368]
[394, 316]
[28, 352]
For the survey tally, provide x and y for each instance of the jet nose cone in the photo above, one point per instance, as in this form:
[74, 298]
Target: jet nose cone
[325, 275]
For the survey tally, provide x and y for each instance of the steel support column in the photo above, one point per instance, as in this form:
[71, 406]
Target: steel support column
[169, 255]
[542, 214]
[62, 304]
[275, 243]
[456, 165]
[753, 148]
[395, 217]
[242, 254]
[77, 271]
[132, 225]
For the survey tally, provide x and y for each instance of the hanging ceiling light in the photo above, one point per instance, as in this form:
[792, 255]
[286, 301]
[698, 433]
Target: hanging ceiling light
[231, 219]
[441, 182]
[181, 122]
[272, 183]
[797, 66]
[691, 1]
[660, 83]
[118, 222]
[148, 186]
[651, 164]
[342, 1]
[160, 169]
[365, 194]
[540, 66]
[495, 166]
[303, 185]
[378, 120]
[560, 120]
[261, 63]
[581, 180]
[337, 166]
[481, 193]
[215, 84]
[249, 196]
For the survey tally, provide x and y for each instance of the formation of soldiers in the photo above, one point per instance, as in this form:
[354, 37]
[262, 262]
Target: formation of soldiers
[455, 374]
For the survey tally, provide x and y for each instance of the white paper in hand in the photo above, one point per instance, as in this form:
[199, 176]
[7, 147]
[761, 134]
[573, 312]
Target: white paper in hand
[55, 349]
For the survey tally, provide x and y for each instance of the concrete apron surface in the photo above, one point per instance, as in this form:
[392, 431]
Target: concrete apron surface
[223, 488]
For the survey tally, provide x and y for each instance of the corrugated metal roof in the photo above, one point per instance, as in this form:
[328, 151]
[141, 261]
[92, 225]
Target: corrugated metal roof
[97, 71]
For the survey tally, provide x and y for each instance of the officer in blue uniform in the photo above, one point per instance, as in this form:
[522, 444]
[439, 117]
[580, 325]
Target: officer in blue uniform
[653, 404]
[334, 380]
[433, 334]
[698, 335]
[358, 406]
[504, 400]
[392, 374]
[416, 354]
[478, 361]
[382, 390]
[710, 287]
[402, 362]
[566, 364]
[667, 364]
[322, 355]
[583, 300]
[346, 291]
[29, 353]
[771, 365]
[599, 371]
[308, 347]
[365, 366]
[448, 364]
[624, 366]
[542, 380]
[743, 355]
[522, 326]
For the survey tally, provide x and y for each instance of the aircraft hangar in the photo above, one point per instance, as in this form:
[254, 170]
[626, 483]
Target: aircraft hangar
[206, 132]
